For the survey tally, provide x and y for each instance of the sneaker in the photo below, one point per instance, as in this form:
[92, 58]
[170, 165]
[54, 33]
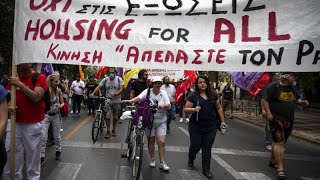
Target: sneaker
[268, 147]
[164, 166]
[208, 174]
[58, 155]
[42, 161]
[152, 164]
[190, 164]
[187, 120]
[114, 133]
[181, 120]
[50, 143]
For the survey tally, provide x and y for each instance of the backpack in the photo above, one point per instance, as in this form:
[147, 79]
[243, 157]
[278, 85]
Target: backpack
[144, 111]
[46, 95]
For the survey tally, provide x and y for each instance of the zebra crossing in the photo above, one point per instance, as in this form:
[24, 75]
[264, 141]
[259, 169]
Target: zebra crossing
[104, 161]
[123, 172]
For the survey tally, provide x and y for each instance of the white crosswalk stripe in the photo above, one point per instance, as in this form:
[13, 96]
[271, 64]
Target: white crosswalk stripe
[124, 172]
[254, 176]
[308, 178]
[187, 174]
[65, 171]
[80, 144]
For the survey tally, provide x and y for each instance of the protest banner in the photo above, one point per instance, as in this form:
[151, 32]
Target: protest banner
[227, 35]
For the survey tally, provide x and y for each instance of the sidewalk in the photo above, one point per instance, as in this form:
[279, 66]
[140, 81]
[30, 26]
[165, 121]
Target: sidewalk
[306, 125]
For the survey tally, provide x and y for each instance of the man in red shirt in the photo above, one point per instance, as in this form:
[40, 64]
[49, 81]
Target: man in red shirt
[29, 114]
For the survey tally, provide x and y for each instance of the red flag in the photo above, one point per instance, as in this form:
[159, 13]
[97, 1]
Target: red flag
[262, 82]
[188, 79]
[102, 71]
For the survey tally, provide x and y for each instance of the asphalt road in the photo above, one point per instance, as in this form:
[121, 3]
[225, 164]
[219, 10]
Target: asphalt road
[239, 154]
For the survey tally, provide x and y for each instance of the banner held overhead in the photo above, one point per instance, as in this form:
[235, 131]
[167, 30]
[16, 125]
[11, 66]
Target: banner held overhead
[227, 35]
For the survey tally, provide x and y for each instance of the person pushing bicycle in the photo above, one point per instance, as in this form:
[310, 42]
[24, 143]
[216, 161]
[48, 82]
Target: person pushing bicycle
[159, 126]
[113, 86]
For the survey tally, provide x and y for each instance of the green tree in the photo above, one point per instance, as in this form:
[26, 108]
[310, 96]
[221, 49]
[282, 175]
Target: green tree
[307, 81]
[6, 30]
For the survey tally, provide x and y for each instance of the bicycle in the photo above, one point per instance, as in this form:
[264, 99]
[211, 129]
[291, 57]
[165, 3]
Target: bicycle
[135, 143]
[98, 123]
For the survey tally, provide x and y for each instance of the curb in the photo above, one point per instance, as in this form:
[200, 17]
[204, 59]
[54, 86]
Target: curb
[295, 134]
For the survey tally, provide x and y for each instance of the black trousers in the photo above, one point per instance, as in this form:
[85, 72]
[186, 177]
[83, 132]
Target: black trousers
[3, 156]
[201, 138]
[76, 102]
[91, 104]
[50, 133]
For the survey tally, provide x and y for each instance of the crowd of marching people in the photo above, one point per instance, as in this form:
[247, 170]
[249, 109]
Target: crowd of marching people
[42, 101]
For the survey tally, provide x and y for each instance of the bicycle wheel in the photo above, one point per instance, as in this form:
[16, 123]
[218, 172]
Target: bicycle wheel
[137, 160]
[102, 122]
[129, 140]
[95, 127]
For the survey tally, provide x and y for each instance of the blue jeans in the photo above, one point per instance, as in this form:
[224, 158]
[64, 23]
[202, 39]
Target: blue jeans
[170, 114]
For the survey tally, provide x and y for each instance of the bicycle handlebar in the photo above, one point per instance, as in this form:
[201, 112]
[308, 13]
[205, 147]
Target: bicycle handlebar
[136, 106]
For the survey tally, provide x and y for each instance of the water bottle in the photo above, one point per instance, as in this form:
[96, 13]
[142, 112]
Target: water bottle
[223, 130]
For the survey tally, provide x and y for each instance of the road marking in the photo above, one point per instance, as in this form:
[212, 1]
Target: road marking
[77, 128]
[223, 151]
[187, 174]
[124, 173]
[184, 131]
[308, 178]
[219, 160]
[227, 167]
[65, 171]
[254, 176]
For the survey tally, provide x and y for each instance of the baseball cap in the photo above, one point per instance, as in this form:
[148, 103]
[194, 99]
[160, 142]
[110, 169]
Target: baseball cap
[156, 79]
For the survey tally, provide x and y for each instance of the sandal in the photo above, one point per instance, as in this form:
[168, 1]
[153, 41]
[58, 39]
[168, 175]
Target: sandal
[281, 174]
[108, 135]
[114, 133]
[272, 164]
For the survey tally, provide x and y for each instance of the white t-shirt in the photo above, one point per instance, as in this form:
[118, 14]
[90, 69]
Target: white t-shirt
[77, 85]
[171, 90]
[162, 98]
[113, 86]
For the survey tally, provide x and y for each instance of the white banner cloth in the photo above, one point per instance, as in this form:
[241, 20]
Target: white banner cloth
[227, 35]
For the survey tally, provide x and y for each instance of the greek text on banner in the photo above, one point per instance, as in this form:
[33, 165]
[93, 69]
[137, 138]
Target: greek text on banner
[214, 35]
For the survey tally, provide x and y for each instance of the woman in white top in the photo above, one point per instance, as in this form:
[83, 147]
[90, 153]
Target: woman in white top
[53, 116]
[159, 127]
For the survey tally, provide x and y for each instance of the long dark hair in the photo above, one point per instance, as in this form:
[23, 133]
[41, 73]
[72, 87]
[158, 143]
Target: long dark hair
[141, 73]
[208, 91]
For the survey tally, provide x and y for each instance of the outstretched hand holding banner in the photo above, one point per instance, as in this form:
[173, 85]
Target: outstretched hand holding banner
[228, 35]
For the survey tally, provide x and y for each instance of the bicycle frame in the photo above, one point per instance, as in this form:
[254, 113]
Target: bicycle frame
[98, 123]
[135, 144]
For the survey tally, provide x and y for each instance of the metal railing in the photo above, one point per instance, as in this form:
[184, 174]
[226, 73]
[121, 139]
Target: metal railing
[249, 106]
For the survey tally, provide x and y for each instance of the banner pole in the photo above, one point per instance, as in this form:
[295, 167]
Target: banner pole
[13, 127]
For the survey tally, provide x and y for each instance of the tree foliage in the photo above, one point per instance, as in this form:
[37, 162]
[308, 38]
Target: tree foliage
[6, 29]
[309, 81]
